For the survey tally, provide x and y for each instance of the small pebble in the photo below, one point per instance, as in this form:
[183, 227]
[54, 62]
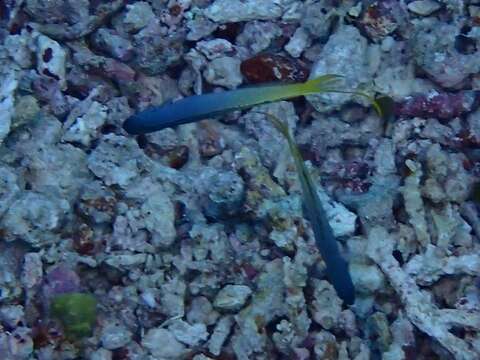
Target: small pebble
[162, 344]
[115, 336]
[423, 7]
[232, 297]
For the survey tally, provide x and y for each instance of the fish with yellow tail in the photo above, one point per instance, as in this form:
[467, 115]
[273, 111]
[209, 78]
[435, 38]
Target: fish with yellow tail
[198, 107]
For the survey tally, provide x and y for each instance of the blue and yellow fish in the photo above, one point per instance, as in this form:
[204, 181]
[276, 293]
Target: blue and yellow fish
[198, 107]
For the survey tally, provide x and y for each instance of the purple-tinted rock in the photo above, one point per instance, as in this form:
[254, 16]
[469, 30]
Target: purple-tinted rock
[110, 42]
[102, 66]
[317, 18]
[48, 90]
[269, 67]
[64, 25]
[58, 11]
[156, 50]
[80, 83]
[436, 53]
[60, 280]
[443, 106]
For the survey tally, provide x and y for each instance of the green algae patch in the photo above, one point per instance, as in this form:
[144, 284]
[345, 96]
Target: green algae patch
[77, 313]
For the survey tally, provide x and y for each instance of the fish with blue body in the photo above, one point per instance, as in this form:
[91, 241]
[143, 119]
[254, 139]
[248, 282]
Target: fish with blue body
[336, 266]
[198, 107]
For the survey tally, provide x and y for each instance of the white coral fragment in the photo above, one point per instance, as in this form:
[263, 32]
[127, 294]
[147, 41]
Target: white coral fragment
[414, 203]
[223, 11]
[8, 85]
[84, 128]
[51, 59]
[429, 267]
[419, 308]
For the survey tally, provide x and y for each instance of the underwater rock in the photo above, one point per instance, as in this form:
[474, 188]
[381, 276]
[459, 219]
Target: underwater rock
[225, 11]
[270, 67]
[59, 280]
[9, 188]
[26, 110]
[220, 333]
[326, 305]
[273, 149]
[101, 354]
[215, 48]
[20, 48]
[51, 58]
[53, 170]
[199, 27]
[116, 160]
[379, 330]
[158, 217]
[35, 218]
[232, 297]
[429, 267]
[137, 16]
[8, 87]
[267, 304]
[346, 52]
[414, 204]
[191, 335]
[444, 106]
[317, 18]
[381, 18]
[367, 278]
[97, 202]
[210, 142]
[201, 311]
[82, 125]
[17, 344]
[155, 50]
[162, 344]
[224, 71]
[420, 310]
[114, 335]
[71, 20]
[173, 297]
[423, 7]
[32, 270]
[225, 195]
[58, 11]
[447, 180]
[257, 36]
[433, 46]
[325, 345]
[12, 315]
[100, 65]
[298, 43]
[112, 43]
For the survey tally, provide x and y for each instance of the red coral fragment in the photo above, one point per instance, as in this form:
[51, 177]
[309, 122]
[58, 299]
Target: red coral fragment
[357, 185]
[228, 31]
[382, 18]
[268, 67]
[444, 106]
[83, 240]
[118, 71]
[175, 10]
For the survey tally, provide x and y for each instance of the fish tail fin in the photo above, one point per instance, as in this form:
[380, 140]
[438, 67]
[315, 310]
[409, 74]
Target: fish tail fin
[321, 84]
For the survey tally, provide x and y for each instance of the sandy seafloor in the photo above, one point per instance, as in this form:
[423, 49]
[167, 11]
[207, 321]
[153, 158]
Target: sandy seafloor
[192, 240]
